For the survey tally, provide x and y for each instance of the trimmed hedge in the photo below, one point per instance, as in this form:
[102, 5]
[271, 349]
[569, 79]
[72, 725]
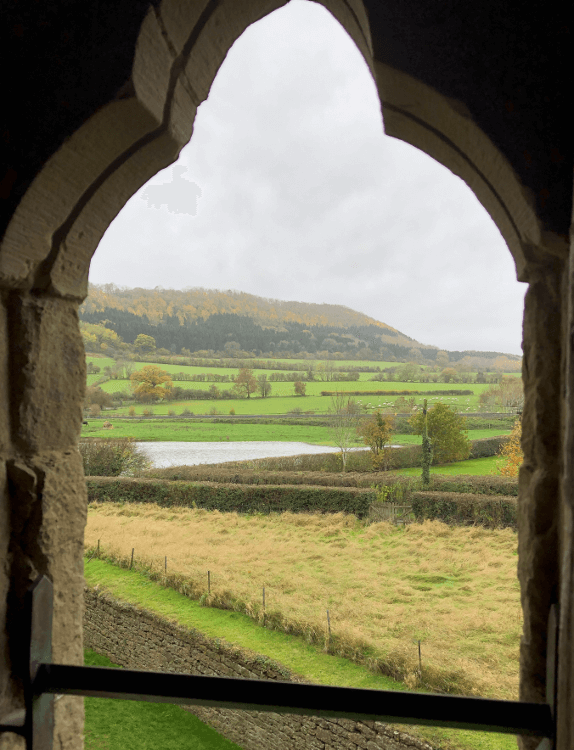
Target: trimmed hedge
[463, 509]
[492, 503]
[487, 446]
[479, 485]
[227, 498]
[257, 476]
[475, 485]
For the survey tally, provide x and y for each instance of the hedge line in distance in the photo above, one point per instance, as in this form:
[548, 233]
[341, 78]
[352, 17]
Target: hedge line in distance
[227, 498]
[465, 509]
[452, 392]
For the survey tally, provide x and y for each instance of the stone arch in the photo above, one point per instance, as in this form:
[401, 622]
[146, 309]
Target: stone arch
[178, 50]
[54, 232]
[444, 129]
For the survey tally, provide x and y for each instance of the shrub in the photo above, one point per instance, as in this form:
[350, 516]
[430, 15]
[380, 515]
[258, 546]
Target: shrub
[487, 446]
[95, 395]
[111, 458]
[132, 411]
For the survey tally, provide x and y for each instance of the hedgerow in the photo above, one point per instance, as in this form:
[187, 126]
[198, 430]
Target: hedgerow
[462, 509]
[480, 485]
[406, 457]
[487, 446]
[233, 498]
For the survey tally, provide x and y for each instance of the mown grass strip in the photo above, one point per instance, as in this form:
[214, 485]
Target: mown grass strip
[118, 724]
[291, 651]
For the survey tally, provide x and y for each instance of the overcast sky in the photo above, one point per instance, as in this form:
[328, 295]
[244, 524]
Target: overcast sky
[289, 189]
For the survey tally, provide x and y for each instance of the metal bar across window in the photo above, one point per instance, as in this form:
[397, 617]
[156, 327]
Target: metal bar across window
[396, 707]
[36, 721]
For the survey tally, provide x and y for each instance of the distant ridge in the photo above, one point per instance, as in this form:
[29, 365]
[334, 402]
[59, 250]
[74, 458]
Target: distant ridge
[190, 305]
[209, 320]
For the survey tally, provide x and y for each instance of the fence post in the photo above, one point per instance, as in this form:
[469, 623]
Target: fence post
[263, 606]
[209, 582]
[329, 630]
[132, 560]
[420, 663]
[165, 566]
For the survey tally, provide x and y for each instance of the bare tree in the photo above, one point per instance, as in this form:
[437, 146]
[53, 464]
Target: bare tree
[264, 385]
[344, 421]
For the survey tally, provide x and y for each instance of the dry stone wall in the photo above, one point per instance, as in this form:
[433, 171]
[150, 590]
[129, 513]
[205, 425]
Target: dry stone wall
[138, 639]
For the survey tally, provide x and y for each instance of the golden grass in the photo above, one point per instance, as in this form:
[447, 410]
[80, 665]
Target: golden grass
[454, 589]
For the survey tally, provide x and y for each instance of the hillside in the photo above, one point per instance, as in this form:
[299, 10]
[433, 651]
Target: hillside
[191, 305]
[228, 322]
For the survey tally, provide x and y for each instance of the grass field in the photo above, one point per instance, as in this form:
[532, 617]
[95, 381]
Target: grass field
[312, 663]
[386, 587]
[474, 466]
[282, 399]
[194, 431]
[314, 388]
[183, 431]
[119, 724]
[275, 405]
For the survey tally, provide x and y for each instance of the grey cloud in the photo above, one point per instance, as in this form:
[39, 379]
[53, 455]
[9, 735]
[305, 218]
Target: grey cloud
[179, 196]
[303, 197]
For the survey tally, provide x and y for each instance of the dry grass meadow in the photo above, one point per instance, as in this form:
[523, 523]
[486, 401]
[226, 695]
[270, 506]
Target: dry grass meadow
[386, 587]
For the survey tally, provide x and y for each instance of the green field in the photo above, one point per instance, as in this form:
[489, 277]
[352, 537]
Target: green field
[314, 388]
[282, 399]
[279, 405]
[189, 431]
[119, 724]
[195, 431]
[475, 466]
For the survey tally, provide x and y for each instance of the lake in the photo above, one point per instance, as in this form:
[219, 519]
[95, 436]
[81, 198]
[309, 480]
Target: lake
[164, 454]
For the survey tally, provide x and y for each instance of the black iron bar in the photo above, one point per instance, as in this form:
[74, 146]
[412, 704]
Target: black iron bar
[456, 712]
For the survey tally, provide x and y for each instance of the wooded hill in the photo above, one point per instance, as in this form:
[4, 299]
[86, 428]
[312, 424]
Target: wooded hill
[211, 321]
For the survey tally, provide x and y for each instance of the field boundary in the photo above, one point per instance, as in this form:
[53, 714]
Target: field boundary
[139, 639]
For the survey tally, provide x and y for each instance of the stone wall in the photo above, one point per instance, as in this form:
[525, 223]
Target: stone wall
[138, 639]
